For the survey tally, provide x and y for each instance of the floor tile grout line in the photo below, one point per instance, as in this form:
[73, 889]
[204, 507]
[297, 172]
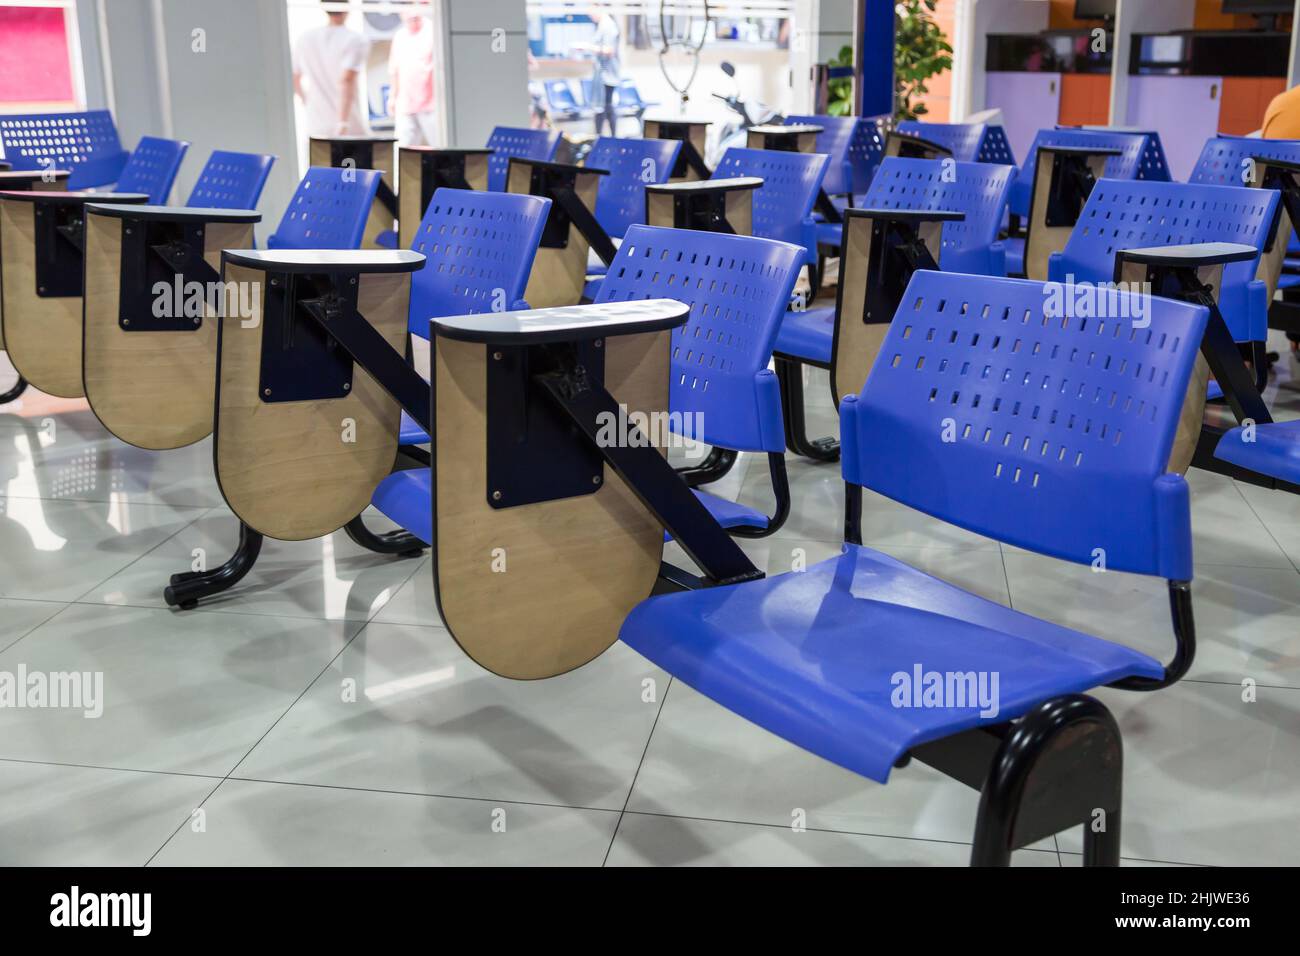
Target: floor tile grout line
[1267, 529]
[613, 837]
[106, 768]
[275, 723]
[140, 557]
[39, 624]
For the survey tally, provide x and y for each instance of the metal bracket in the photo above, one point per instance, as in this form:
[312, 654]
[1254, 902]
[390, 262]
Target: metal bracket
[155, 252]
[59, 236]
[534, 452]
[1071, 185]
[896, 252]
[300, 360]
[648, 473]
[362, 155]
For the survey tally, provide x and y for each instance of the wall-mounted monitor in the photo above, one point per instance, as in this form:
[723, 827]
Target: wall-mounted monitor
[1258, 6]
[1094, 9]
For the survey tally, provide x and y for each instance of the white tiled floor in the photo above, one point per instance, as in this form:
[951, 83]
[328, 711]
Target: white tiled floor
[320, 713]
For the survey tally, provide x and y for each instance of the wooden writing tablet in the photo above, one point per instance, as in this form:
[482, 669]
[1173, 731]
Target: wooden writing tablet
[42, 322]
[153, 387]
[682, 205]
[421, 170]
[858, 335]
[1043, 236]
[574, 566]
[287, 467]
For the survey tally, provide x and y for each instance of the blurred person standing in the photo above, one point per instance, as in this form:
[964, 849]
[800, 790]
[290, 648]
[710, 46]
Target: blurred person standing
[330, 59]
[608, 74]
[410, 71]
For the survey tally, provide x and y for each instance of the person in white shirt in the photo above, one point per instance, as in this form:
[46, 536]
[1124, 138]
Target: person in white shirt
[327, 65]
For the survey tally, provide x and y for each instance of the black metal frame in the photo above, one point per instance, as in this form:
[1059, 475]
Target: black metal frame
[157, 250]
[688, 157]
[555, 181]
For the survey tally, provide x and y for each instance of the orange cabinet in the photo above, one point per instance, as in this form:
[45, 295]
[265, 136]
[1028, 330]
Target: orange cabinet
[1085, 99]
[1242, 102]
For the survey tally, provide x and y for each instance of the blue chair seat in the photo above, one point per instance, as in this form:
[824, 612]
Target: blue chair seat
[1213, 391]
[812, 655]
[830, 233]
[1274, 452]
[808, 334]
[410, 432]
[1015, 256]
[730, 514]
[406, 498]
[1288, 280]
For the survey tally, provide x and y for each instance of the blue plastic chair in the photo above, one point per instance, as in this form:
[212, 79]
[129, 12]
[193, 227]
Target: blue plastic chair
[1131, 214]
[479, 249]
[231, 181]
[968, 142]
[152, 168]
[1136, 161]
[1154, 164]
[560, 102]
[837, 136]
[1222, 163]
[328, 210]
[86, 144]
[783, 204]
[508, 141]
[866, 150]
[738, 288]
[1074, 464]
[633, 164]
[979, 190]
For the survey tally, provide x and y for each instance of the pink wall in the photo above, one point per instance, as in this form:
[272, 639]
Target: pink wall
[35, 67]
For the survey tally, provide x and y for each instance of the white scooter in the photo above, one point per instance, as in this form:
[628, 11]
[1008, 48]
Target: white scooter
[751, 114]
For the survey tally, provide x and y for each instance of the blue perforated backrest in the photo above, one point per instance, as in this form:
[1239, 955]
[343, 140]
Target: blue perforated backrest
[1044, 432]
[1227, 160]
[632, 165]
[738, 288]
[833, 140]
[1154, 166]
[152, 168]
[790, 184]
[969, 142]
[559, 95]
[979, 190]
[85, 144]
[1129, 214]
[508, 141]
[866, 150]
[328, 210]
[479, 248]
[1127, 165]
[231, 181]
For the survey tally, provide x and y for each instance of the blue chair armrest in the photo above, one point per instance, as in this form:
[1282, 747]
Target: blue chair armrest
[1257, 318]
[997, 258]
[768, 392]
[1055, 268]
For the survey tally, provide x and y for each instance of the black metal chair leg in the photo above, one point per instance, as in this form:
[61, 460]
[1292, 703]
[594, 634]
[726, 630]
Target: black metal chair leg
[1101, 848]
[714, 467]
[789, 376]
[187, 589]
[401, 543]
[19, 387]
[781, 488]
[1071, 748]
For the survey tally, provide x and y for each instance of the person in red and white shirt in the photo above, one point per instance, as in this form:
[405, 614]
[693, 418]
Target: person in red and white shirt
[410, 71]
